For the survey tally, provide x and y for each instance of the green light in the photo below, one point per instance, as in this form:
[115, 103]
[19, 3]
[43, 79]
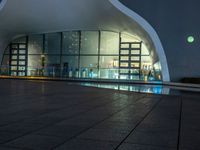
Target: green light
[190, 39]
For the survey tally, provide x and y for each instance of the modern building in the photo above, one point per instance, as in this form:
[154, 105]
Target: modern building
[100, 39]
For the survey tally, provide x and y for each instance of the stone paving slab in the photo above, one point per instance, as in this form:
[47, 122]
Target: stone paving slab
[38, 115]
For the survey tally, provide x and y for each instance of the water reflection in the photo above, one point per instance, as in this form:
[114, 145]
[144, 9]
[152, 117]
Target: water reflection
[154, 89]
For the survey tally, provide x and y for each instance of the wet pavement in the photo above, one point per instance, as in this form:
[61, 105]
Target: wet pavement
[45, 115]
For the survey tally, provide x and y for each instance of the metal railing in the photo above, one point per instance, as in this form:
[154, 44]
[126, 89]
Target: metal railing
[83, 72]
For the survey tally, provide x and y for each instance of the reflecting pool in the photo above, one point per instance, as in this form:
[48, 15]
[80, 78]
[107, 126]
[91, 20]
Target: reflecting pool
[142, 88]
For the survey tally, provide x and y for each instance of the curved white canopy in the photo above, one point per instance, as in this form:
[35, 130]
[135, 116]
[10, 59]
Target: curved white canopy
[22, 17]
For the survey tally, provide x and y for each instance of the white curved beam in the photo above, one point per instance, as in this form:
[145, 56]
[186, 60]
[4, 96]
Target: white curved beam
[152, 33]
[3, 2]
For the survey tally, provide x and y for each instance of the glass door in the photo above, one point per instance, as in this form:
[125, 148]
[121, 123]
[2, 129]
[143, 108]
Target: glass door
[130, 60]
[18, 59]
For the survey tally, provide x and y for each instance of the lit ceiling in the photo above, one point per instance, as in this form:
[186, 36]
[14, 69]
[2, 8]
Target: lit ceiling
[22, 17]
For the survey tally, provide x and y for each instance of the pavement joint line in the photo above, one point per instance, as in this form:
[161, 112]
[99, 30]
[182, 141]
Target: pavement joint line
[16, 148]
[138, 99]
[160, 146]
[180, 120]
[65, 119]
[73, 105]
[142, 119]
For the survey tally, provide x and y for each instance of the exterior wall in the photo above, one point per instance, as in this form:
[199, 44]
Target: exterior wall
[174, 21]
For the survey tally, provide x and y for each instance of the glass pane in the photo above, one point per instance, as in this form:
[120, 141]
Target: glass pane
[70, 66]
[52, 66]
[21, 68]
[135, 65]
[14, 46]
[129, 38]
[14, 51]
[14, 57]
[51, 60]
[22, 51]
[35, 65]
[20, 57]
[145, 51]
[5, 60]
[109, 73]
[135, 58]
[125, 46]
[22, 46]
[14, 68]
[146, 59]
[21, 73]
[136, 52]
[53, 43]
[124, 64]
[125, 52]
[89, 42]
[13, 62]
[5, 65]
[7, 50]
[136, 46]
[109, 43]
[34, 61]
[125, 58]
[35, 45]
[70, 43]
[21, 62]
[88, 66]
[109, 62]
[13, 73]
[20, 40]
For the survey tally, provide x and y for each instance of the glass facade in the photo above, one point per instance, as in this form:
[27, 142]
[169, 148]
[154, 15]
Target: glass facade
[80, 54]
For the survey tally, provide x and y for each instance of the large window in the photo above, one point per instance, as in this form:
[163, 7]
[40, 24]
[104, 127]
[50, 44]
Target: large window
[80, 54]
[89, 42]
[109, 67]
[19, 40]
[70, 42]
[89, 66]
[35, 44]
[109, 43]
[53, 43]
[70, 66]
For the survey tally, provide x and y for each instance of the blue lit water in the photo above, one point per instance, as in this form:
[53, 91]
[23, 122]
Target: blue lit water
[154, 89]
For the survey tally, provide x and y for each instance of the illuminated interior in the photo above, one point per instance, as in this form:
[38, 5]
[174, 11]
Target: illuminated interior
[81, 54]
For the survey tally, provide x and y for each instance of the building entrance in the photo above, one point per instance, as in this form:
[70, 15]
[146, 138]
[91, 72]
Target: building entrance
[18, 59]
[130, 60]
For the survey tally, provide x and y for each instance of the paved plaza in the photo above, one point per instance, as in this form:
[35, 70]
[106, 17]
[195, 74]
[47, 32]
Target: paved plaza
[45, 115]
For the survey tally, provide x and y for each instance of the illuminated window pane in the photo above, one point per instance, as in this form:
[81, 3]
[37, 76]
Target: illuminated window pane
[109, 67]
[20, 40]
[88, 66]
[53, 43]
[5, 61]
[109, 62]
[7, 51]
[35, 44]
[70, 43]
[70, 66]
[109, 43]
[89, 42]
[21, 62]
[34, 61]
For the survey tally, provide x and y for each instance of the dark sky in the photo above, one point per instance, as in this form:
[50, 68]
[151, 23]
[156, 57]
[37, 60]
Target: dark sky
[171, 11]
[174, 21]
